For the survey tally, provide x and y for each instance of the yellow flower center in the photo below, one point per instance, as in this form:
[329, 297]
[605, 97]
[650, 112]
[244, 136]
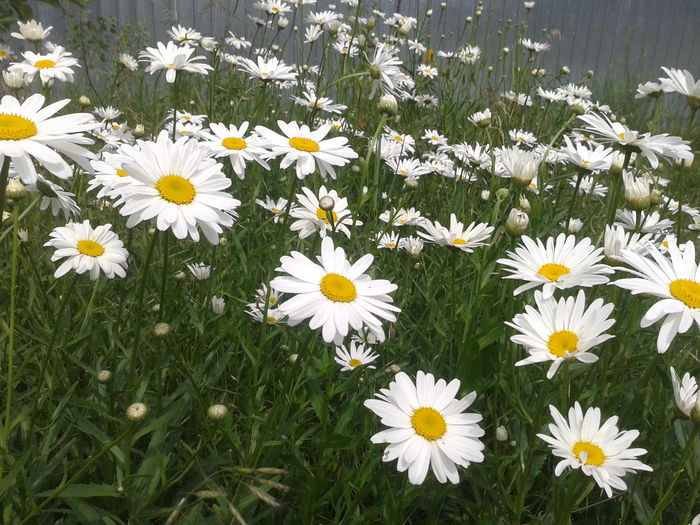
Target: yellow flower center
[176, 189]
[2, 54]
[44, 64]
[428, 423]
[264, 74]
[170, 66]
[459, 241]
[234, 143]
[686, 291]
[91, 248]
[303, 144]
[323, 215]
[391, 245]
[553, 271]
[561, 342]
[398, 138]
[354, 362]
[270, 319]
[593, 453]
[272, 300]
[122, 173]
[13, 127]
[338, 288]
[275, 210]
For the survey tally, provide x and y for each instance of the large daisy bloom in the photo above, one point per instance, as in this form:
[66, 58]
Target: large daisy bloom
[179, 185]
[457, 236]
[172, 58]
[674, 279]
[28, 130]
[559, 330]
[601, 451]
[334, 294]
[561, 263]
[685, 392]
[230, 141]
[428, 427]
[85, 249]
[307, 148]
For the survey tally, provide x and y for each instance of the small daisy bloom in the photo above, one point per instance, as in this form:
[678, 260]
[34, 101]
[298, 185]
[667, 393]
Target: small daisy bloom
[27, 130]
[200, 271]
[276, 207]
[231, 142]
[685, 392]
[674, 279]
[334, 294]
[561, 263]
[601, 451]
[85, 249]
[401, 217]
[617, 239]
[54, 197]
[172, 59]
[128, 62]
[314, 219]
[267, 69]
[647, 222]
[465, 239]
[307, 148]
[357, 356]
[179, 185]
[388, 241]
[429, 428]
[32, 31]
[426, 70]
[55, 65]
[559, 330]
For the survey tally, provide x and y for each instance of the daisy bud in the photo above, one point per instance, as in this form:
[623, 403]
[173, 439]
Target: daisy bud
[637, 192]
[217, 412]
[293, 358]
[590, 74]
[565, 70]
[501, 433]
[468, 20]
[411, 182]
[524, 204]
[180, 276]
[139, 130]
[502, 194]
[517, 222]
[533, 72]
[334, 27]
[371, 23]
[489, 69]
[683, 164]
[155, 308]
[104, 377]
[575, 225]
[506, 50]
[15, 190]
[429, 12]
[23, 235]
[618, 160]
[326, 203]
[485, 194]
[443, 5]
[284, 348]
[161, 329]
[218, 304]
[404, 29]
[223, 241]
[656, 197]
[84, 101]
[388, 104]
[355, 168]
[136, 412]
[13, 79]
[394, 369]
[541, 72]
[375, 72]
[282, 23]
[478, 13]
[6, 216]
[528, 7]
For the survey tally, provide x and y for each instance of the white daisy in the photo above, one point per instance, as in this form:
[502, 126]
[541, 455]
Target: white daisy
[388, 241]
[401, 217]
[313, 219]
[32, 31]
[601, 451]
[685, 392]
[334, 294]
[268, 70]
[647, 222]
[276, 207]
[429, 428]
[231, 142]
[200, 271]
[457, 236]
[27, 130]
[561, 264]
[561, 330]
[307, 148]
[357, 356]
[54, 197]
[675, 280]
[178, 185]
[97, 250]
[172, 59]
[617, 239]
[55, 65]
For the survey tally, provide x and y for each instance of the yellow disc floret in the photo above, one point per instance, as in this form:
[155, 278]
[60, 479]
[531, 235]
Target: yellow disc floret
[44, 64]
[302, 144]
[323, 215]
[562, 342]
[91, 248]
[593, 453]
[686, 291]
[428, 423]
[553, 271]
[176, 189]
[13, 127]
[338, 288]
[354, 362]
[234, 143]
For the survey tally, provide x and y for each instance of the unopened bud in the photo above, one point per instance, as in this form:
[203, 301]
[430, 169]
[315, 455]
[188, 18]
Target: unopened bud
[656, 197]
[84, 101]
[217, 412]
[326, 203]
[180, 276]
[15, 189]
[161, 329]
[524, 204]
[388, 104]
[371, 23]
[501, 433]
[590, 74]
[104, 376]
[394, 369]
[485, 194]
[139, 130]
[293, 358]
[517, 222]
[565, 70]
[506, 50]
[136, 412]
[404, 29]
[502, 194]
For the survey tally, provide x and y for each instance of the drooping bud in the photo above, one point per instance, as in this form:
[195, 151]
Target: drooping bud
[388, 104]
[517, 222]
[84, 101]
[326, 203]
[15, 189]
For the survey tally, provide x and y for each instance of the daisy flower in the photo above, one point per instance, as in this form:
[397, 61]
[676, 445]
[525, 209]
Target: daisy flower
[559, 330]
[312, 101]
[522, 137]
[617, 239]
[307, 148]
[434, 138]
[334, 294]
[179, 185]
[231, 142]
[32, 31]
[592, 160]
[413, 245]
[429, 428]
[561, 263]
[172, 59]
[588, 186]
[409, 168]
[601, 451]
[85, 249]
[681, 81]
[128, 62]
[237, 42]
[649, 89]
[55, 65]
[270, 69]
[388, 241]
[27, 130]
[184, 35]
[108, 174]
[535, 47]
[685, 392]
[401, 217]
[272, 316]
[276, 207]
[54, 197]
[469, 54]
[200, 271]
[481, 118]
[648, 222]
[357, 356]
[313, 219]
[385, 67]
[674, 279]
[456, 236]
[427, 71]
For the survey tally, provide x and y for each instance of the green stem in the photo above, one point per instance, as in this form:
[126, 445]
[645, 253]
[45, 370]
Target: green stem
[164, 278]
[3, 185]
[22, 215]
[346, 77]
[687, 451]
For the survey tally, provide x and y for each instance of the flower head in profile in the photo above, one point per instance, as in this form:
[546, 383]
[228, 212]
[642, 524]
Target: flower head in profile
[559, 330]
[334, 293]
[268, 70]
[685, 392]
[172, 59]
[428, 427]
[307, 148]
[97, 251]
[602, 451]
[179, 185]
[357, 356]
[56, 65]
[674, 279]
[32, 31]
[457, 236]
[559, 264]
